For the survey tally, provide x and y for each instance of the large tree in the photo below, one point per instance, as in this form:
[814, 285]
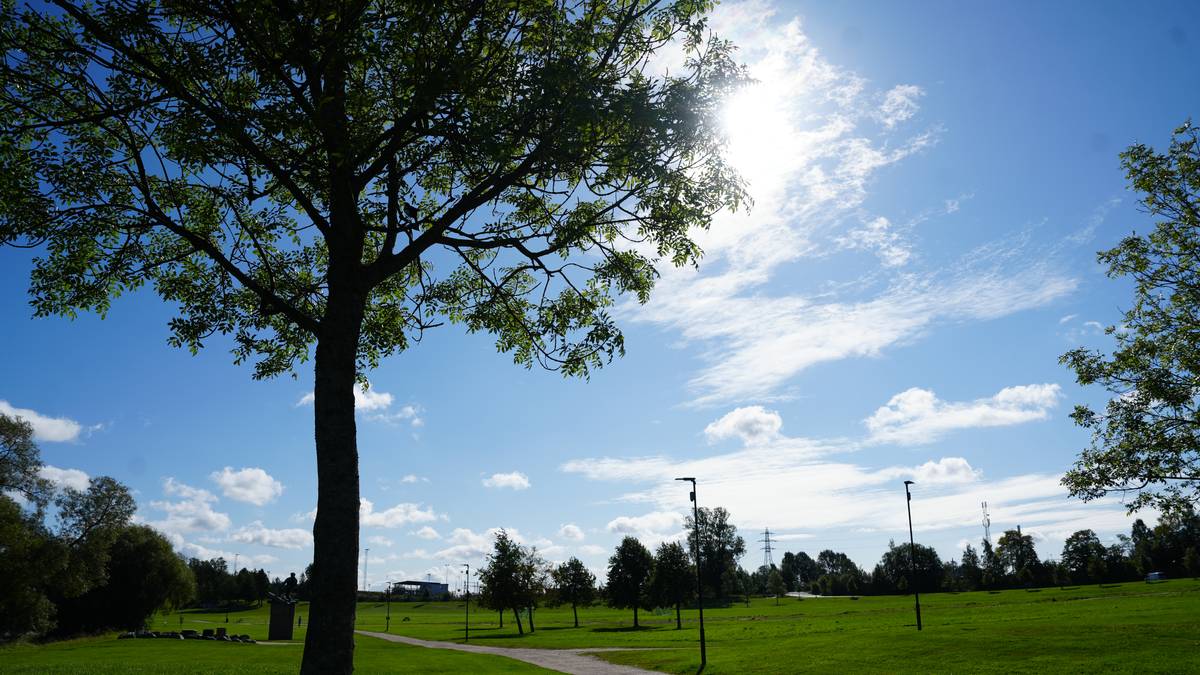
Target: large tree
[330, 180]
[505, 578]
[720, 547]
[629, 572]
[1146, 442]
[1078, 552]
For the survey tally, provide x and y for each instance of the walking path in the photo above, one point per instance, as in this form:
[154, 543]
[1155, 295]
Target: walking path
[575, 661]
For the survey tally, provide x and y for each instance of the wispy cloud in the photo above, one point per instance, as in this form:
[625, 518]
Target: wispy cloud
[810, 137]
[918, 416]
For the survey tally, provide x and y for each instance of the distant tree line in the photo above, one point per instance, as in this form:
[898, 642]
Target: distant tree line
[71, 560]
[516, 579]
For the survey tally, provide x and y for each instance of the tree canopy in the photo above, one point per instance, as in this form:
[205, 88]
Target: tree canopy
[332, 180]
[1146, 441]
[575, 584]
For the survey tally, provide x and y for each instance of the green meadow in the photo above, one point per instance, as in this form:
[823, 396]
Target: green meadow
[1131, 627]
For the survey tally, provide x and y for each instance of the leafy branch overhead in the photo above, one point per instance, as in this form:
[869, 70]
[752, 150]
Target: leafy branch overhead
[1146, 442]
[503, 165]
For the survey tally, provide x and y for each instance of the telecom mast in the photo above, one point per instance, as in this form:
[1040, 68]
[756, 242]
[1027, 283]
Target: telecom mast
[987, 524]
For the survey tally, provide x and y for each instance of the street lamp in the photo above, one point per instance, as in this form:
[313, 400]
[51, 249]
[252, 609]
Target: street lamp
[467, 620]
[387, 626]
[699, 583]
[912, 552]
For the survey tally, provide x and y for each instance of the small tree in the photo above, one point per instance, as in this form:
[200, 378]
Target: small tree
[674, 581]
[629, 571]
[576, 585]
[775, 585]
[503, 578]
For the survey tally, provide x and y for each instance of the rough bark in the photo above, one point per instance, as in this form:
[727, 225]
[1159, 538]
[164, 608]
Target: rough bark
[517, 616]
[329, 642]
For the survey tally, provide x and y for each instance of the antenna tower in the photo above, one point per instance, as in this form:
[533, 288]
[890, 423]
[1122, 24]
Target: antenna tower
[766, 542]
[987, 524]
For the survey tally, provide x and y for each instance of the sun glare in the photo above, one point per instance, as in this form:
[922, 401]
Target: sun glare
[758, 127]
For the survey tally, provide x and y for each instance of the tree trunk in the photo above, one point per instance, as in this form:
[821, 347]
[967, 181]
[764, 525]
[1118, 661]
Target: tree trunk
[329, 642]
[678, 618]
[575, 611]
[501, 613]
[531, 629]
[517, 616]
[635, 623]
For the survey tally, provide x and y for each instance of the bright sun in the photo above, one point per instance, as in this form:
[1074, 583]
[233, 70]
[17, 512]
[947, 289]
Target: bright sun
[758, 126]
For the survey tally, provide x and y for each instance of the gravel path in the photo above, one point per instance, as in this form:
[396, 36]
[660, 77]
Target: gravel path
[575, 661]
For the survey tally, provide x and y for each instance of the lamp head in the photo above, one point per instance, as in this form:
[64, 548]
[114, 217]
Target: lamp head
[909, 482]
[687, 478]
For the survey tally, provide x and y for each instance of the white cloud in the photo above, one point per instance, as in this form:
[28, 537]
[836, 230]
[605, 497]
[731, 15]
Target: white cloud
[1067, 318]
[879, 236]
[193, 512]
[650, 528]
[514, 479]
[592, 549]
[366, 399]
[250, 485]
[427, 532]
[65, 478]
[571, 532]
[194, 550]
[45, 428]
[899, 104]
[918, 416]
[379, 541]
[257, 533]
[413, 478]
[397, 516]
[945, 471]
[468, 545]
[752, 424]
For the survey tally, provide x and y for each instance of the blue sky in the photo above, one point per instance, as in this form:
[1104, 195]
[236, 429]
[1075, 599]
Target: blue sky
[931, 181]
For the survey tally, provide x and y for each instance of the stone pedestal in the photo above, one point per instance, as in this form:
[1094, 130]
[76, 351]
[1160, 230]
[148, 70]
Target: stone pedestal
[283, 618]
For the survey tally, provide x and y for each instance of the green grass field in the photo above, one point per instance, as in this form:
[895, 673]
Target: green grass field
[1131, 627]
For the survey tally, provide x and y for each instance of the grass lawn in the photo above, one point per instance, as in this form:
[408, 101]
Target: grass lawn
[103, 655]
[1130, 627]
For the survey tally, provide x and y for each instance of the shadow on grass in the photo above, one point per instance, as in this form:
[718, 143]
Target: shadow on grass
[1110, 585]
[625, 629]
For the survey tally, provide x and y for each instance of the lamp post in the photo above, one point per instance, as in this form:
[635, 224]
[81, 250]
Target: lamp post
[387, 594]
[912, 552]
[699, 582]
[467, 604]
